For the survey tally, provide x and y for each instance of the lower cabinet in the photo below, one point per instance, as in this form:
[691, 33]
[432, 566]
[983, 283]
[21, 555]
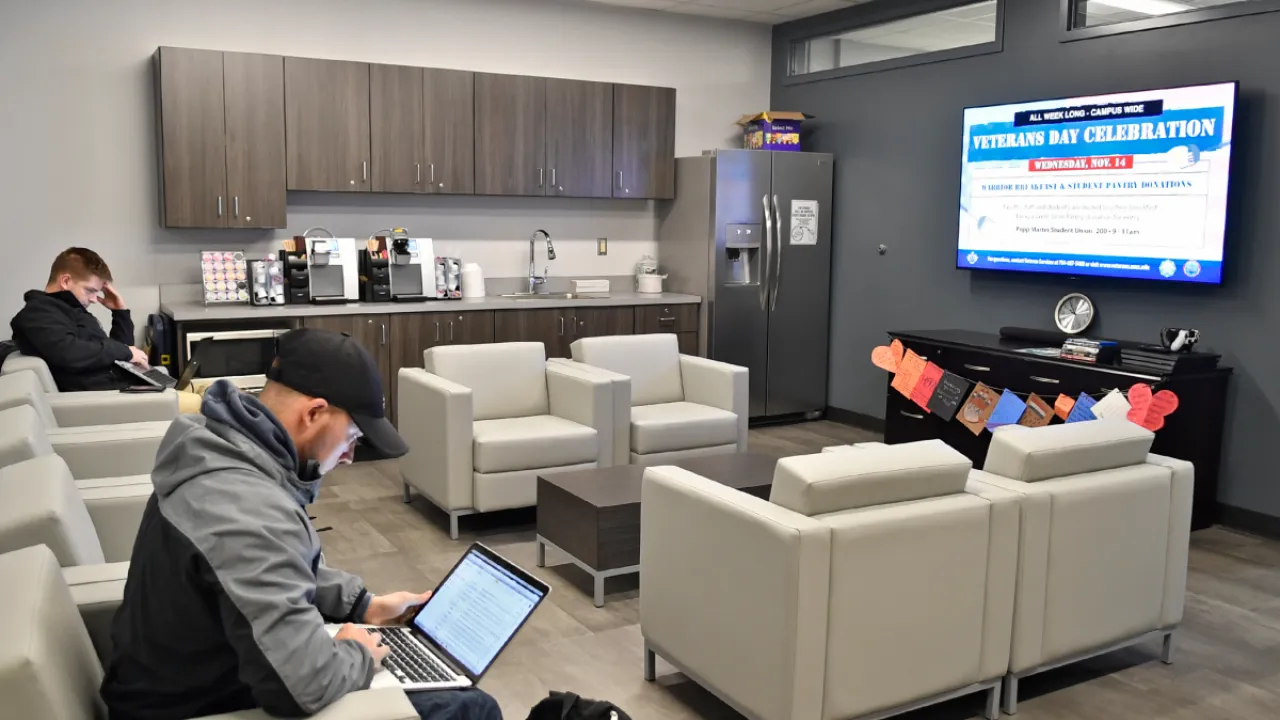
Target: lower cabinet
[557, 328]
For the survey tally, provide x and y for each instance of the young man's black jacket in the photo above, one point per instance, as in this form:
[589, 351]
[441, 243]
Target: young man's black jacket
[56, 328]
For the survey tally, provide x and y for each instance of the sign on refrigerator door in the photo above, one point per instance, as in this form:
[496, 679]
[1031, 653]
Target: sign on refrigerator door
[804, 222]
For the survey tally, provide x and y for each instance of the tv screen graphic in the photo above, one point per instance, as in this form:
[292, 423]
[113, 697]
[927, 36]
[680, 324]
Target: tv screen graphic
[1130, 185]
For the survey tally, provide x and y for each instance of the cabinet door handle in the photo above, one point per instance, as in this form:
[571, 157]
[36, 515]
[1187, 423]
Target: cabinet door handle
[364, 170]
[451, 330]
[666, 320]
[913, 416]
[235, 206]
[540, 174]
[433, 173]
[977, 368]
[1051, 381]
[619, 179]
[219, 206]
[561, 325]
[384, 333]
[417, 173]
[437, 331]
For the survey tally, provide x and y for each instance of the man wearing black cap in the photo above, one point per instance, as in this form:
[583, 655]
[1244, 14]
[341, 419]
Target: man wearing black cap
[228, 594]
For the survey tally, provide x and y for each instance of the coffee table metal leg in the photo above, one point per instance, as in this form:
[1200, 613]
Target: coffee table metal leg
[599, 586]
[541, 545]
[597, 576]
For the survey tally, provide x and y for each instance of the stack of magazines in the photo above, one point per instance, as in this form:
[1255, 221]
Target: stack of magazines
[1090, 351]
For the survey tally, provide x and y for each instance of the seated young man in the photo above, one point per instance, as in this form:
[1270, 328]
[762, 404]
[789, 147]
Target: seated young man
[56, 326]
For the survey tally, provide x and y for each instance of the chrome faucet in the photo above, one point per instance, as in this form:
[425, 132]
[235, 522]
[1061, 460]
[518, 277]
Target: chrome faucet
[535, 279]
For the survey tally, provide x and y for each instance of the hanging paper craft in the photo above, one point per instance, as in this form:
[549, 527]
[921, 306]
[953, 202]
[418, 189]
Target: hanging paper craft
[908, 373]
[1038, 413]
[887, 358]
[1150, 410]
[1082, 411]
[1007, 411]
[948, 395]
[1112, 406]
[979, 406]
[926, 385]
[1062, 407]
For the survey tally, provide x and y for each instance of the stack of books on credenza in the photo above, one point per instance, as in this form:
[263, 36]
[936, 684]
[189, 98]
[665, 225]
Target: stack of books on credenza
[1155, 360]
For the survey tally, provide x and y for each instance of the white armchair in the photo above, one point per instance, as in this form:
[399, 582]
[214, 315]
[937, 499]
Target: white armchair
[484, 421]
[95, 451]
[1105, 533]
[871, 583]
[677, 406]
[26, 380]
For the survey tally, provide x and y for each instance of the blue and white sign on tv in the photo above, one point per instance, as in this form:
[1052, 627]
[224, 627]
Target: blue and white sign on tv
[1129, 185]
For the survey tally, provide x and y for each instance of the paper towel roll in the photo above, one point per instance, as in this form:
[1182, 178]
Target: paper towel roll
[472, 281]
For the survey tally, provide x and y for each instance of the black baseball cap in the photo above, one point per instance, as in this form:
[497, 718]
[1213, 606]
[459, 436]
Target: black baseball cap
[333, 366]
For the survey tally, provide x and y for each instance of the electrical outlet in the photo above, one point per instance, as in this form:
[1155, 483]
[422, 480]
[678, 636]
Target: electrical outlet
[602, 246]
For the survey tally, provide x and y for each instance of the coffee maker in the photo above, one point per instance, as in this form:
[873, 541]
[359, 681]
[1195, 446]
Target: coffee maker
[411, 265]
[333, 267]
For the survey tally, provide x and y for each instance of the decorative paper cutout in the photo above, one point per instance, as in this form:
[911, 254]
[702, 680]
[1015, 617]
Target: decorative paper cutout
[1113, 405]
[1038, 413]
[908, 373]
[1062, 406]
[1083, 409]
[1150, 410]
[1007, 411]
[979, 406]
[925, 386]
[948, 396]
[888, 358]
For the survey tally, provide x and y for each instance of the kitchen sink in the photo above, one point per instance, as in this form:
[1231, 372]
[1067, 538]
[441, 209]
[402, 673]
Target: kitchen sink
[554, 296]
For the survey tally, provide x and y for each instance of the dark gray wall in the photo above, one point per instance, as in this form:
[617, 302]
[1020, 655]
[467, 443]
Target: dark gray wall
[896, 135]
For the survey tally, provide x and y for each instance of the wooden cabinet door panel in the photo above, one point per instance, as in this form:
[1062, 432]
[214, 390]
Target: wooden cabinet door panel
[644, 142]
[254, 100]
[411, 335]
[601, 321]
[510, 130]
[688, 343]
[192, 138]
[448, 113]
[469, 328]
[371, 331]
[326, 124]
[666, 318]
[579, 138]
[395, 129]
[549, 327]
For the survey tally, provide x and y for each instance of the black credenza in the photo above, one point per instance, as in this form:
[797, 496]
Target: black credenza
[1192, 433]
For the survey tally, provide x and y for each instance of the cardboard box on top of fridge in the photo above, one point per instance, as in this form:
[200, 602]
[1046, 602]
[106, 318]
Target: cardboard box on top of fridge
[772, 130]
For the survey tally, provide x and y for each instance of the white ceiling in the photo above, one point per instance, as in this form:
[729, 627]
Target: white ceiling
[770, 12]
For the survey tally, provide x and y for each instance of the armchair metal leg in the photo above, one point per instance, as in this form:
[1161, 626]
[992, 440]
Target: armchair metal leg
[453, 526]
[408, 494]
[1166, 652]
[1011, 694]
[992, 711]
[650, 664]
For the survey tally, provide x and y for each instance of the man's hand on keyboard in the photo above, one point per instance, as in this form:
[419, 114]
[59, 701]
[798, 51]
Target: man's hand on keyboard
[394, 609]
[371, 640]
[139, 358]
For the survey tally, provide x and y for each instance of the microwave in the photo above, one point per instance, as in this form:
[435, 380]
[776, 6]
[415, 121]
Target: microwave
[241, 356]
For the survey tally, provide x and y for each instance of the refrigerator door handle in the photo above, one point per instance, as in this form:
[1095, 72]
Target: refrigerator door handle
[777, 250]
[764, 264]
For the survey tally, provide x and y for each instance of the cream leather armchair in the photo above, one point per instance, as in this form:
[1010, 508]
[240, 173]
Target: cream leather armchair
[872, 582]
[49, 669]
[26, 380]
[95, 451]
[483, 421]
[1105, 534]
[674, 406]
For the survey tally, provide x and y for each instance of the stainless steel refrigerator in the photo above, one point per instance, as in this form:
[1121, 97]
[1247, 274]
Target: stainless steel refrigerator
[750, 231]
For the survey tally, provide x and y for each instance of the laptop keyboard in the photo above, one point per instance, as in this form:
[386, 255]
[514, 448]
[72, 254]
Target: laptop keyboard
[409, 662]
[160, 377]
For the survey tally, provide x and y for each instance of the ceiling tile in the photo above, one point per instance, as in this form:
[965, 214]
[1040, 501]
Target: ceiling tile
[645, 4]
[810, 7]
[746, 6]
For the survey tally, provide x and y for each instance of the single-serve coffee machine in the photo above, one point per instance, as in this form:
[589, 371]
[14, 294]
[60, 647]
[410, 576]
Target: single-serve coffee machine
[333, 267]
[411, 263]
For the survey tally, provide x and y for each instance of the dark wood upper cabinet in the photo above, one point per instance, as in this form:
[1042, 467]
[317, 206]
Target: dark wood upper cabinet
[510, 129]
[448, 114]
[327, 124]
[193, 160]
[579, 138]
[644, 142]
[253, 87]
[395, 124]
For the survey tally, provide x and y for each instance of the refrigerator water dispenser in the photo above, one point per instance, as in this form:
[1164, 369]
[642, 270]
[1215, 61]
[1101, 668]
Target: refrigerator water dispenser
[742, 254]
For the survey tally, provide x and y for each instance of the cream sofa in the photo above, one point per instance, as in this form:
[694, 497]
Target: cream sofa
[95, 451]
[872, 582]
[26, 381]
[1102, 559]
[483, 421]
[49, 668]
[667, 406]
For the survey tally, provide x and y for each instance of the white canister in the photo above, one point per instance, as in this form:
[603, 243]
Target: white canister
[649, 284]
[472, 281]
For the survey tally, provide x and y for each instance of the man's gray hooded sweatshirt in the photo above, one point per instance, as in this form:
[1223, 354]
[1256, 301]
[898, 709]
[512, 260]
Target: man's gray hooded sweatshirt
[227, 596]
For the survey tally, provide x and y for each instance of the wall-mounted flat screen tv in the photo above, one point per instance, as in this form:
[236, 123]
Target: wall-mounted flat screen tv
[1130, 185]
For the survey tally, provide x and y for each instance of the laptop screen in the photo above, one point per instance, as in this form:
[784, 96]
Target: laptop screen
[476, 610]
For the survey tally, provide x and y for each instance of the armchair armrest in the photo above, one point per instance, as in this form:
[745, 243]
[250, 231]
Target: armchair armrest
[719, 385]
[1175, 577]
[621, 391]
[735, 592]
[381, 704]
[111, 408]
[586, 399]
[435, 417]
[98, 591]
[107, 451]
[116, 513]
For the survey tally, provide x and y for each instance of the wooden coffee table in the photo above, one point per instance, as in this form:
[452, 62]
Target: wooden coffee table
[593, 516]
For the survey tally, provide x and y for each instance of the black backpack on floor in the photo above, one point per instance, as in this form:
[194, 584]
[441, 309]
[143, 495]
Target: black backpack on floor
[568, 706]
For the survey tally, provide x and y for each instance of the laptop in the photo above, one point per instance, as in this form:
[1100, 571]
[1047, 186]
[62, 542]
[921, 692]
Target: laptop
[458, 633]
[161, 379]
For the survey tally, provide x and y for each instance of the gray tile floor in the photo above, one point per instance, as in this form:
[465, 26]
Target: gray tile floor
[1227, 664]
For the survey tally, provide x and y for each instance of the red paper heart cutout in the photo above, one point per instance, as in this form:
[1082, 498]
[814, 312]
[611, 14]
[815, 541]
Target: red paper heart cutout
[887, 358]
[1148, 409]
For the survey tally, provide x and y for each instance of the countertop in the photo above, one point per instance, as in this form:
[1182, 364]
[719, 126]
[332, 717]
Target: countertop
[196, 312]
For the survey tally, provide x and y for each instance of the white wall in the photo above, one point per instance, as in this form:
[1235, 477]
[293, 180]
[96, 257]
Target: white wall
[77, 143]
